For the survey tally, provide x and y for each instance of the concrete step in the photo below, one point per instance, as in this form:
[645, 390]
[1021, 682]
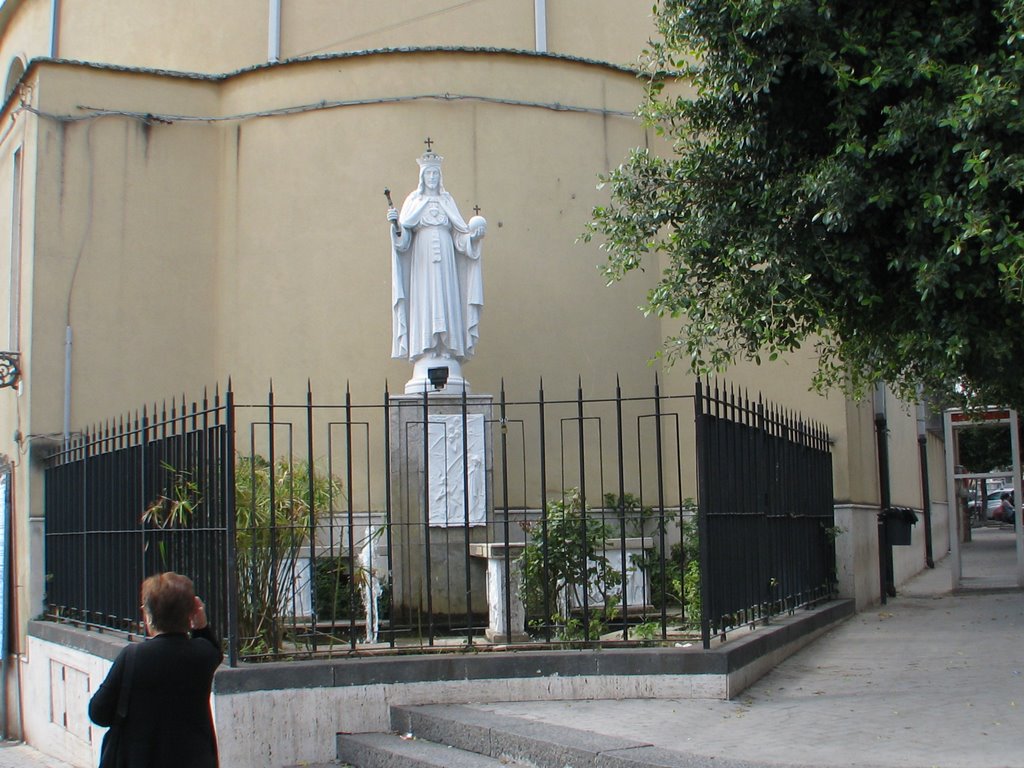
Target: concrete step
[516, 741]
[389, 750]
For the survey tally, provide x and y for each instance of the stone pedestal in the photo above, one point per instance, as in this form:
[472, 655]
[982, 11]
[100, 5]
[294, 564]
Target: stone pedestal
[432, 524]
[637, 588]
[503, 586]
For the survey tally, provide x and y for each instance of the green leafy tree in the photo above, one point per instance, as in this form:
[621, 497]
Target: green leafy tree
[846, 174]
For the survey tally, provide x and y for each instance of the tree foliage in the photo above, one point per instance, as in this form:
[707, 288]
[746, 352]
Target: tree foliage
[848, 175]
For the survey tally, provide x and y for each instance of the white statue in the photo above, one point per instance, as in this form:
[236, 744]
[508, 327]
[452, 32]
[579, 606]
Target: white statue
[437, 289]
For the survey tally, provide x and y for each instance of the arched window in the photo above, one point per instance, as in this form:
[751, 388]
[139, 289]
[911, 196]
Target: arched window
[14, 73]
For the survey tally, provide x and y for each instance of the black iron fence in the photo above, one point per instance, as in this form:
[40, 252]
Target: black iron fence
[122, 502]
[431, 521]
[767, 525]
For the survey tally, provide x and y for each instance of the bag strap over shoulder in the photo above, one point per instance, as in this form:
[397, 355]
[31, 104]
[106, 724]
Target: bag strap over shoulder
[126, 681]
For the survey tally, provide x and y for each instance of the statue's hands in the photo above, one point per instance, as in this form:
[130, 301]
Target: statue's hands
[392, 215]
[477, 227]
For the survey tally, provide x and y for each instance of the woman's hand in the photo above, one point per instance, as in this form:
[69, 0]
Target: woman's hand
[198, 618]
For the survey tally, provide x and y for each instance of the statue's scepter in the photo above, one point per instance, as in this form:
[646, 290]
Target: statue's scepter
[391, 207]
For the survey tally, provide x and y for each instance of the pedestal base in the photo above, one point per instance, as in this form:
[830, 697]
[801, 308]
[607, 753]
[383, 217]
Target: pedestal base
[503, 591]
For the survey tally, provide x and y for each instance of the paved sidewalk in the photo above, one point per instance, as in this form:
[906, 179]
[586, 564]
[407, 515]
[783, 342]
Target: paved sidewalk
[929, 679]
[14, 754]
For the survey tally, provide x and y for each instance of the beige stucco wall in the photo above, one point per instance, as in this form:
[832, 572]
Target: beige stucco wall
[186, 35]
[256, 247]
[228, 35]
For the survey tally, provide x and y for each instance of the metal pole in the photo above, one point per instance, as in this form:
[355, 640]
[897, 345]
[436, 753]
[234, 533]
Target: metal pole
[540, 20]
[885, 565]
[926, 499]
[228, 457]
[274, 32]
[1018, 526]
[54, 28]
[465, 515]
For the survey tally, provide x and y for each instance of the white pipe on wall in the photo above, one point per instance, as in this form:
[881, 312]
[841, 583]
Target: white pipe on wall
[54, 27]
[274, 32]
[540, 19]
[67, 385]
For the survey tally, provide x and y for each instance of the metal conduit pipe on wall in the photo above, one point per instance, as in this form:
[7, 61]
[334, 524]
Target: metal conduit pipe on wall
[274, 32]
[540, 19]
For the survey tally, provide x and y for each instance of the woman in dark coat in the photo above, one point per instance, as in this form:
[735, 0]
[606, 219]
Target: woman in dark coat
[168, 720]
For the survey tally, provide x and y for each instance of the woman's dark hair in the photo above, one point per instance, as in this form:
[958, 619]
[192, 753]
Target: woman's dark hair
[169, 599]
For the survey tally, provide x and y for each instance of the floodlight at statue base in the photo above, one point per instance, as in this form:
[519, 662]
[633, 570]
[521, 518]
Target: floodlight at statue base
[427, 375]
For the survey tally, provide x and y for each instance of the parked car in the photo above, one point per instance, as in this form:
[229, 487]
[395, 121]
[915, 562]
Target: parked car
[976, 502]
[1000, 507]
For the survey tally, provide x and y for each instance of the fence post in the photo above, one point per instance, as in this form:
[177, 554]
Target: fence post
[702, 513]
[231, 577]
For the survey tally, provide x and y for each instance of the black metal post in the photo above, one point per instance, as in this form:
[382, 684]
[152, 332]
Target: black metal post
[887, 587]
[584, 588]
[546, 586]
[350, 512]
[621, 511]
[388, 504]
[505, 513]
[702, 515]
[465, 515]
[660, 474]
[231, 577]
[428, 575]
[926, 499]
[312, 514]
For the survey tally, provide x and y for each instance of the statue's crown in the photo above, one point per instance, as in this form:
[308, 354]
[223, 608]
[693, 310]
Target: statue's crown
[430, 158]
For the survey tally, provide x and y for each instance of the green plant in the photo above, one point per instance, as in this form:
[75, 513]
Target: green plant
[272, 521]
[635, 517]
[833, 532]
[174, 508]
[675, 580]
[564, 555]
[647, 631]
[337, 594]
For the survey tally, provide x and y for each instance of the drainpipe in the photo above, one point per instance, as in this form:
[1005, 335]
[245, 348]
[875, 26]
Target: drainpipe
[67, 385]
[54, 27]
[540, 21]
[274, 32]
[885, 564]
[926, 498]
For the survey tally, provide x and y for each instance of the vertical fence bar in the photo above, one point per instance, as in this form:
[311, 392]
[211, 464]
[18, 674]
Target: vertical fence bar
[545, 569]
[274, 585]
[465, 515]
[660, 475]
[428, 566]
[350, 513]
[505, 512]
[231, 577]
[703, 491]
[388, 508]
[311, 478]
[621, 511]
[583, 510]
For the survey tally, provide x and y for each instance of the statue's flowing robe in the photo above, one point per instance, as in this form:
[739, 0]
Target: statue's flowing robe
[436, 286]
